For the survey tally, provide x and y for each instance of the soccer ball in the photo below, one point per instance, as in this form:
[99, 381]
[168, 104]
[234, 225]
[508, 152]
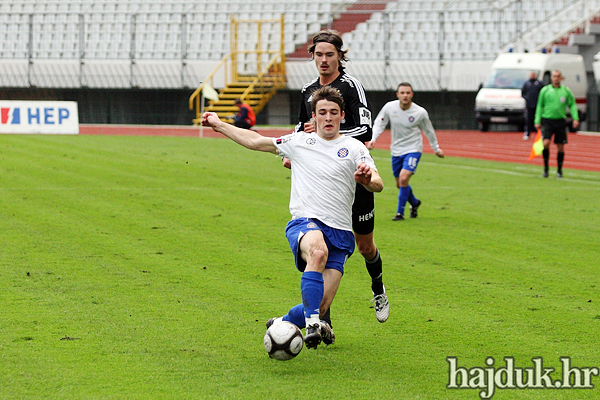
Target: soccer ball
[283, 341]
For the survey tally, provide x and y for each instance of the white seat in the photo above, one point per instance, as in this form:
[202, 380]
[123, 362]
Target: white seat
[473, 25]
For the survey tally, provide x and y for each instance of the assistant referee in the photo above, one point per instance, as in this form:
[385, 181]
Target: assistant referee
[551, 117]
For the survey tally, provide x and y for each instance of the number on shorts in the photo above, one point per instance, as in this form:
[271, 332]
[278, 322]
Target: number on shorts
[412, 162]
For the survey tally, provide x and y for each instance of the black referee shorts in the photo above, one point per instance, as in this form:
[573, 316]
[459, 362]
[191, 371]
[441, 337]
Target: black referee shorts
[556, 128]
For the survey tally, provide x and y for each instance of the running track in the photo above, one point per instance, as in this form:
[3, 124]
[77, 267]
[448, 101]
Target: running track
[582, 152]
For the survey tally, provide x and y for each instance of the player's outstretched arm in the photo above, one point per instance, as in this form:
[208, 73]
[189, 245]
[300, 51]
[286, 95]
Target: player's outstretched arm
[247, 138]
[368, 177]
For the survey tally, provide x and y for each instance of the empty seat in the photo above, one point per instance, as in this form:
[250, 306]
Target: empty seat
[158, 26]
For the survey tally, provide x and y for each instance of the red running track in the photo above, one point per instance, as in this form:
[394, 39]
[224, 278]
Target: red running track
[582, 152]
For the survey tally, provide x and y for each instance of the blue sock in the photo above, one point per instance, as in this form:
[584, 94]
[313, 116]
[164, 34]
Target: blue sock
[312, 288]
[296, 316]
[411, 197]
[403, 198]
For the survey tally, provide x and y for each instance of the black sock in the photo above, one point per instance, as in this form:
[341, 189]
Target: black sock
[560, 157]
[375, 269]
[546, 154]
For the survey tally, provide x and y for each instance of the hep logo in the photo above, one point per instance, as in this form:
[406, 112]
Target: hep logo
[10, 115]
[32, 115]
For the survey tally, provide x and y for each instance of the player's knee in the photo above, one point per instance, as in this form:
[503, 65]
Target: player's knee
[318, 255]
[367, 249]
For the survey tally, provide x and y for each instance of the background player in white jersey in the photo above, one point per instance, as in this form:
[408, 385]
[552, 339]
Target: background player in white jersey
[326, 50]
[407, 120]
[327, 166]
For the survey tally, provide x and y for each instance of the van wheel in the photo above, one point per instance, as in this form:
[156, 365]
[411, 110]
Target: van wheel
[484, 126]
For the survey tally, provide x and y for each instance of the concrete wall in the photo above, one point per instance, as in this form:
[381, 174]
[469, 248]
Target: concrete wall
[448, 110]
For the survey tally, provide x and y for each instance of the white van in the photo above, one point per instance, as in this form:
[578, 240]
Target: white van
[499, 99]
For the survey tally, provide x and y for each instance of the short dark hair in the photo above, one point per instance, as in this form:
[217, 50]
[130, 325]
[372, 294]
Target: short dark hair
[329, 36]
[238, 101]
[404, 84]
[326, 93]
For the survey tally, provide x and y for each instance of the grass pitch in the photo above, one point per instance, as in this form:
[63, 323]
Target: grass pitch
[146, 267]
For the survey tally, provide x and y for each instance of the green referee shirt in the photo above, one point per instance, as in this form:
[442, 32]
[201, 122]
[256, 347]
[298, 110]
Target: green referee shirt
[553, 103]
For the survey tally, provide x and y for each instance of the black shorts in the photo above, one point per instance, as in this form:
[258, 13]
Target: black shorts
[363, 211]
[556, 128]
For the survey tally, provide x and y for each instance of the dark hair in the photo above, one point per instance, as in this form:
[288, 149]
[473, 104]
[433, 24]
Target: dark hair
[404, 84]
[329, 36]
[326, 93]
[238, 101]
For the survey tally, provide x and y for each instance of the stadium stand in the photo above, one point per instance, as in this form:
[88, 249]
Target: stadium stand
[162, 44]
[471, 30]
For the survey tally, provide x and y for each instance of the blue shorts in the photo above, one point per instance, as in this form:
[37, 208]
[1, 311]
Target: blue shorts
[407, 161]
[340, 243]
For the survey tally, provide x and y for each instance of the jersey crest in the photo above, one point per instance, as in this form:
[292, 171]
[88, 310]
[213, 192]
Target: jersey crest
[343, 152]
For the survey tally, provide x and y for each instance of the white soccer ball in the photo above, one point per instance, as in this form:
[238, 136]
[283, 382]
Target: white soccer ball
[283, 341]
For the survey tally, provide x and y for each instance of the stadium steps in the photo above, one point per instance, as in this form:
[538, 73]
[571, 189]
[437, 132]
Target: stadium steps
[345, 22]
[257, 98]
[579, 37]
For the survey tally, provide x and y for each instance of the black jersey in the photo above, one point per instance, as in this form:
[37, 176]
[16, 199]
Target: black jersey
[357, 121]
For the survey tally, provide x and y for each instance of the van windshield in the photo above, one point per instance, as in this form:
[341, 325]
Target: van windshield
[507, 78]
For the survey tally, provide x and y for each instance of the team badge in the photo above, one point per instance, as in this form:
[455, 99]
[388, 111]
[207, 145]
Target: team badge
[311, 225]
[311, 141]
[343, 152]
[411, 119]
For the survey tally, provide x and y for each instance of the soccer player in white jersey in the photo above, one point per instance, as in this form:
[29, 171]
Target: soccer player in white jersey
[329, 57]
[327, 166]
[407, 121]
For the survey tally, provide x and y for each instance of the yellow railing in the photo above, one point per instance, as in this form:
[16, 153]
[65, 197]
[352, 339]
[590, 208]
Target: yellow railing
[196, 96]
[259, 45]
[273, 73]
[275, 70]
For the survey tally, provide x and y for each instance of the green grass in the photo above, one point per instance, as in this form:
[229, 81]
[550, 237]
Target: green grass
[145, 268]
